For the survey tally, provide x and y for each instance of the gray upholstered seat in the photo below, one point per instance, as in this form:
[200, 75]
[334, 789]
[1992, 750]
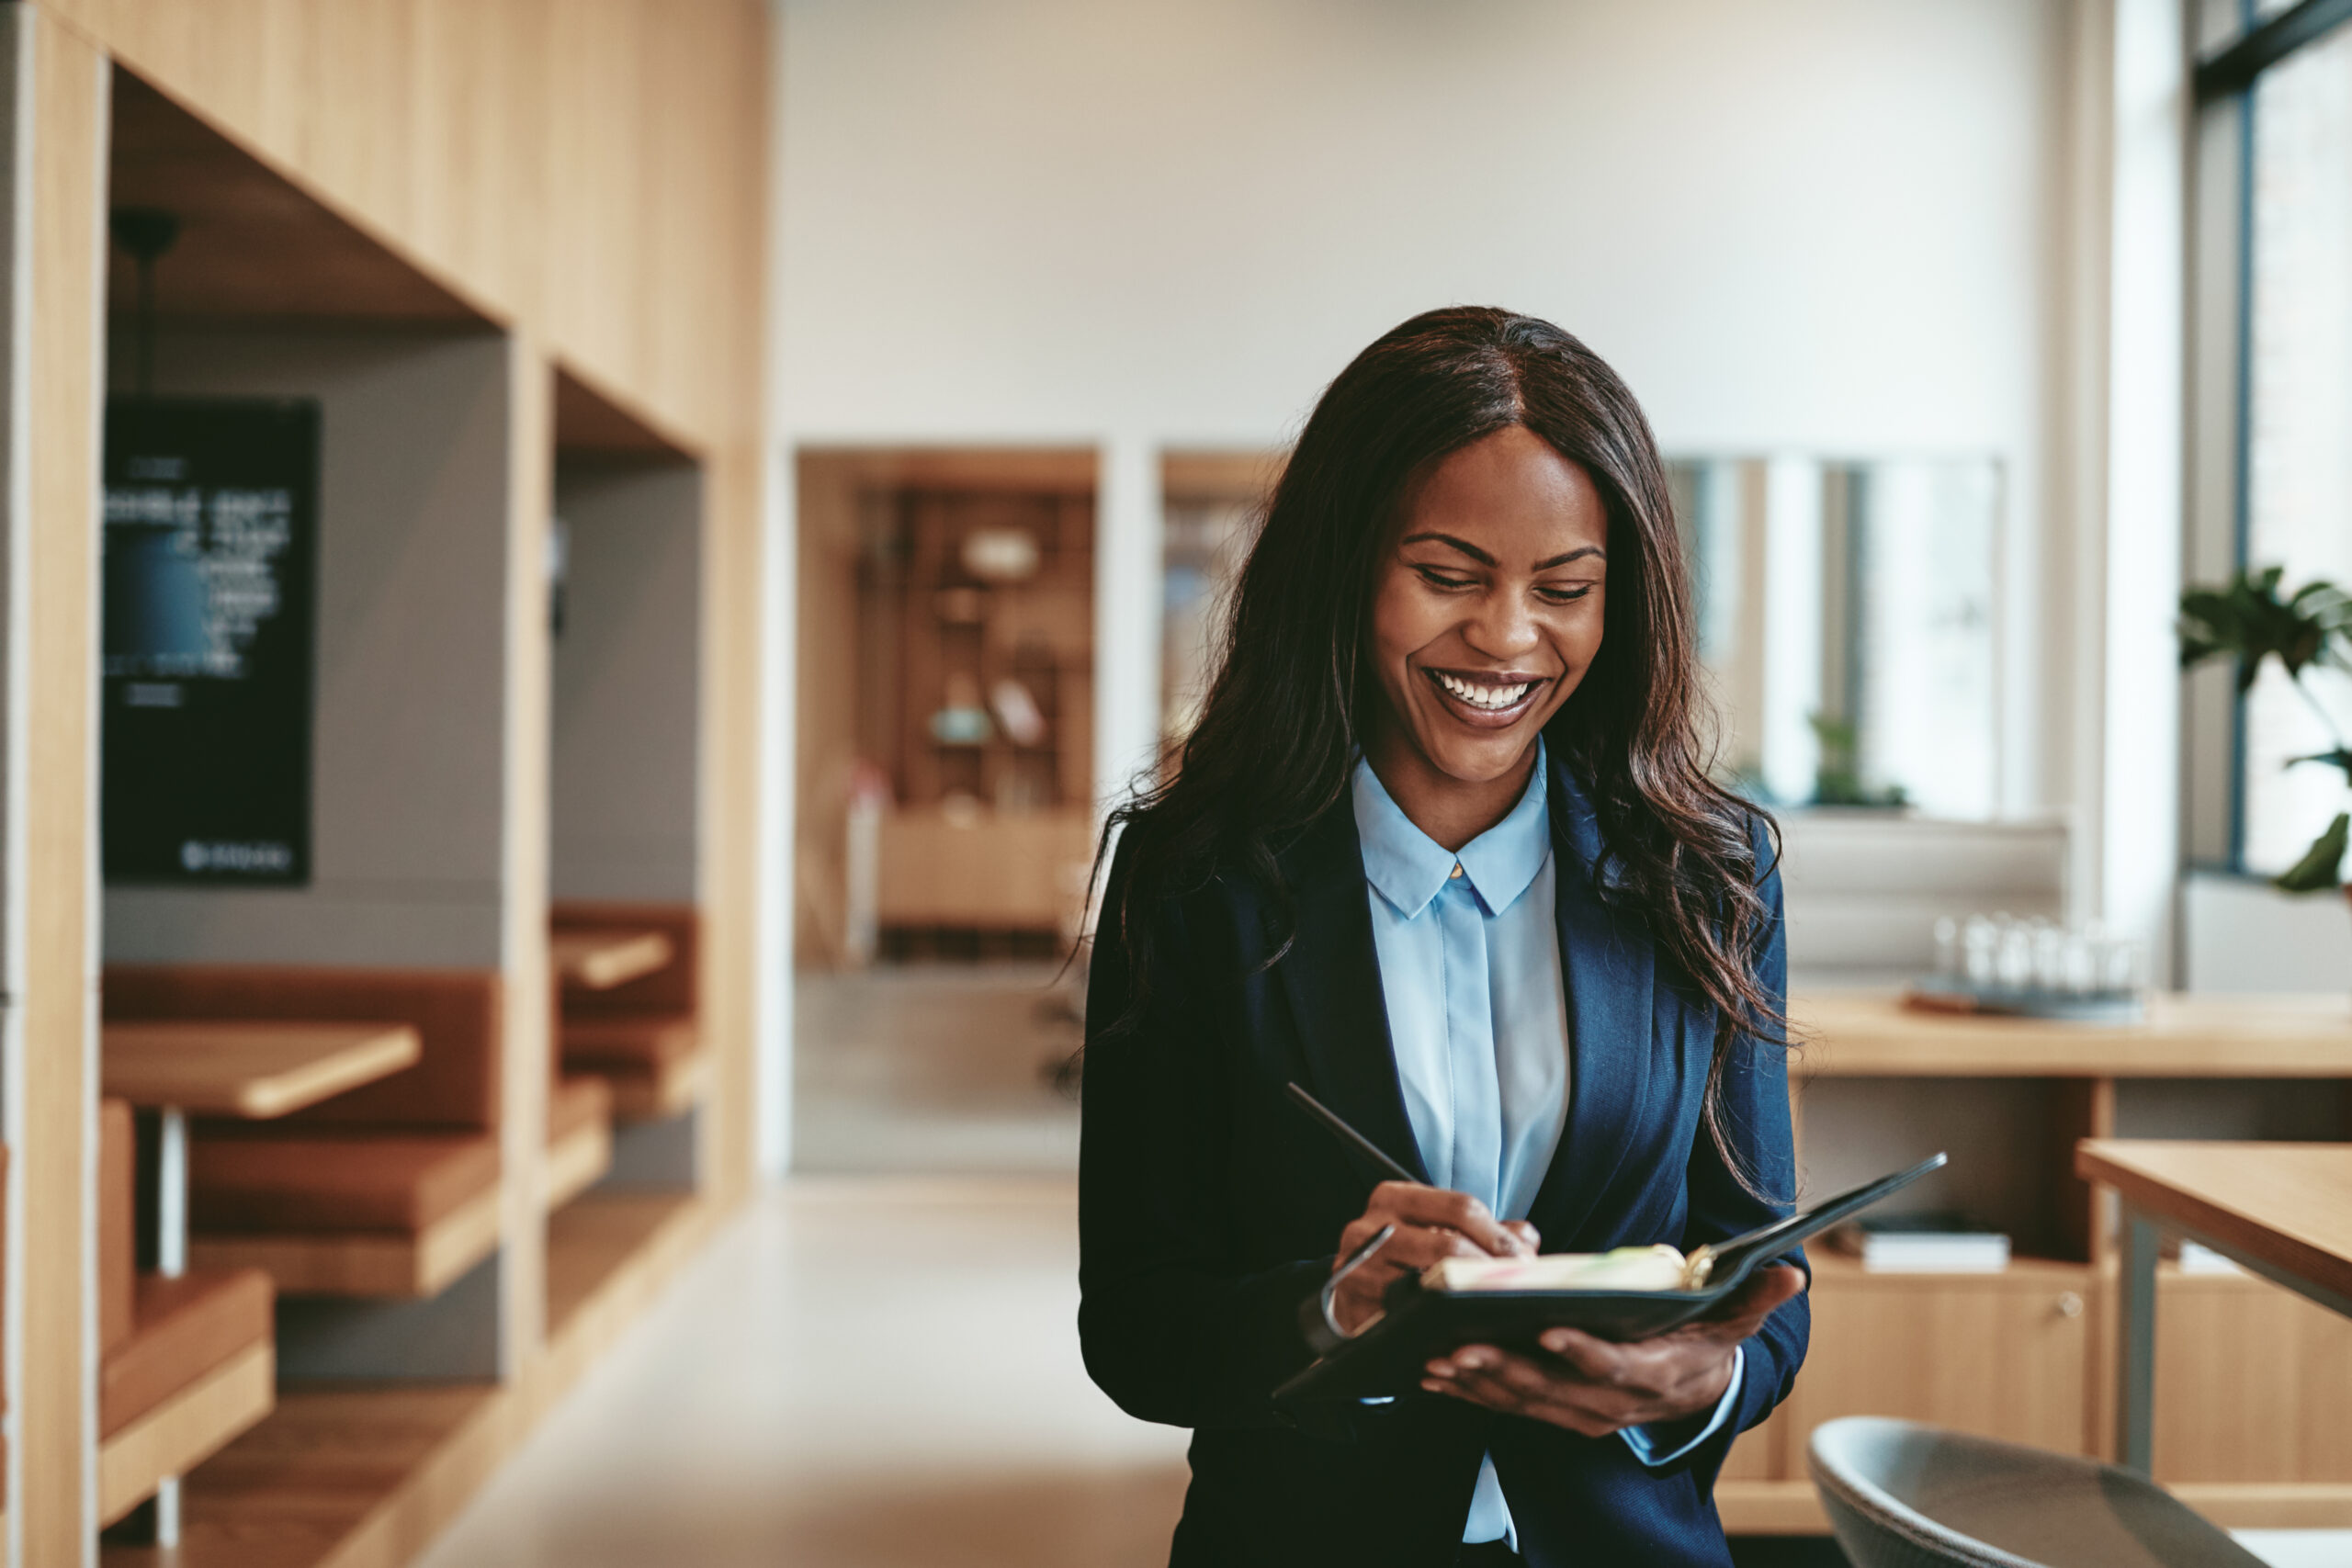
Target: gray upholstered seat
[1904, 1496]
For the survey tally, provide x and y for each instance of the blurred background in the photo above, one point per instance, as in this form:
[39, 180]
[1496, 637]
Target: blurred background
[884, 393]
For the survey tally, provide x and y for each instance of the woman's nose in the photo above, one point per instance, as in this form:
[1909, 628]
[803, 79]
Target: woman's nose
[1502, 626]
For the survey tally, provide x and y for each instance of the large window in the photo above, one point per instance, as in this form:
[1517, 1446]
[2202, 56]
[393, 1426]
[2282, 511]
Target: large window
[2280, 82]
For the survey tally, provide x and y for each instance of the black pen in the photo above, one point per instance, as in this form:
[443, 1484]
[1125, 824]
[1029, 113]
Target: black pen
[1348, 1135]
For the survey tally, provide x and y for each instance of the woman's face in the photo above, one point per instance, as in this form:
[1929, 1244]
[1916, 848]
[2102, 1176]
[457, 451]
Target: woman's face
[1487, 607]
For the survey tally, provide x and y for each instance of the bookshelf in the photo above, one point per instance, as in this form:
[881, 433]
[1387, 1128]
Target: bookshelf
[947, 638]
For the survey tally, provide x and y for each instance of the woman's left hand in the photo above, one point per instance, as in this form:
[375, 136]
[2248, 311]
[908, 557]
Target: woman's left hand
[1595, 1387]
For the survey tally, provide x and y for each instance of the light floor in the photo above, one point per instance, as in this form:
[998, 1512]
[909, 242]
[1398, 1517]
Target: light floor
[870, 1373]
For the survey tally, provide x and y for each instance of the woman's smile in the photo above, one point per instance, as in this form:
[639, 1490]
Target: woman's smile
[1487, 700]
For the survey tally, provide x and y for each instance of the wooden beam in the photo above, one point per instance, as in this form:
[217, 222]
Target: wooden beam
[60, 89]
[526, 1060]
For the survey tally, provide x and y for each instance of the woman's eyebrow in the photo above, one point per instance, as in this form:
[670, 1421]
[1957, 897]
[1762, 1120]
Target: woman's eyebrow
[1467, 549]
[1483, 559]
[1577, 554]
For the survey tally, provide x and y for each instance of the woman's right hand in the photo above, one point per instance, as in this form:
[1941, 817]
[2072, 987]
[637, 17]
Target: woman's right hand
[1432, 1222]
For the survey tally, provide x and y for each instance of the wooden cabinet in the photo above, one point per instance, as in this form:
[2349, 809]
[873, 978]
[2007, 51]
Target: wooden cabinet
[2252, 1381]
[2005, 1355]
[991, 873]
[2253, 1384]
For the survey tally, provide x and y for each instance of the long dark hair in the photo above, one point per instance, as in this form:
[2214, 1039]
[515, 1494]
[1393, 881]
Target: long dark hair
[1276, 740]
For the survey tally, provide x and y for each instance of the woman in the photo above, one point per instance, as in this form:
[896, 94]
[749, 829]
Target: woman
[1443, 849]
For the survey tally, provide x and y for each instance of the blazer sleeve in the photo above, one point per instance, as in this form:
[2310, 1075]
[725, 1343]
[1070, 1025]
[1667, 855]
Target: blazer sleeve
[1754, 1113]
[1171, 1328]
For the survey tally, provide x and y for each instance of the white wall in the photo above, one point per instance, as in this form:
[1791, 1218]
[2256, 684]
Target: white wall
[1814, 224]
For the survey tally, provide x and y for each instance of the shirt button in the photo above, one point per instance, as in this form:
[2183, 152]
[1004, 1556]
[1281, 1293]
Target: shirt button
[1455, 872]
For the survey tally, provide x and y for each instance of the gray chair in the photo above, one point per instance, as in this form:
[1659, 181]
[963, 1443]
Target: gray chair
[1902, 1496]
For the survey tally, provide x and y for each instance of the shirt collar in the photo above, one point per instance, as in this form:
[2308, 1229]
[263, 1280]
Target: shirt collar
[1408, 867]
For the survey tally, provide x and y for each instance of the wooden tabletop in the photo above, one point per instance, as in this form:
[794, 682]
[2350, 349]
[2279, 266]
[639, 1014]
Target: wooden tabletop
[257, 1068]
[2285, 1205]
[1872, 1034]
[598, 961]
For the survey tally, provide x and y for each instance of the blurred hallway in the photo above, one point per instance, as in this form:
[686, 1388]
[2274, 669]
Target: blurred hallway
[944, 1068]
[867, 1374]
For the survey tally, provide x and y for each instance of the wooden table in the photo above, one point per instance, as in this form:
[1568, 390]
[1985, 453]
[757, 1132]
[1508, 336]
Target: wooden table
[2283, 1210]
[598, 961]
[257, 1069]
[1872, 1034]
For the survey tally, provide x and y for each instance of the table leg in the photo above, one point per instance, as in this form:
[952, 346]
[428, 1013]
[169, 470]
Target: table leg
[171, 1194]
[171, 1261]
[2135, 1381]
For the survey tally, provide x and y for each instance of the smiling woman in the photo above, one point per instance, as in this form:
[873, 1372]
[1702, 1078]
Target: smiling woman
[1443, 847]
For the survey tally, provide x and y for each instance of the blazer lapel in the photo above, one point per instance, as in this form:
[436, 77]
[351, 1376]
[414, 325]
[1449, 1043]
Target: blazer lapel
[1330, 978]
[1610, 968]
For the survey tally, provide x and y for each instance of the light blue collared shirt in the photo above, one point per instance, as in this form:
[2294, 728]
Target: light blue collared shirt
[1469, 956]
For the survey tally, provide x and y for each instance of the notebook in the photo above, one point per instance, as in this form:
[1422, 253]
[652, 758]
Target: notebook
[1510, 1304]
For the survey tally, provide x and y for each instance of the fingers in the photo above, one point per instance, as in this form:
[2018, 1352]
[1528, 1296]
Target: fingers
[1594, 1360]
[1412, 1247]
[1441, 1208]
[1482, 1375]
[1766, 1292]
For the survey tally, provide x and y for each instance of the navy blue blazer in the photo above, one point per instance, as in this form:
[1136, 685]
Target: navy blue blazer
[1209, 1208]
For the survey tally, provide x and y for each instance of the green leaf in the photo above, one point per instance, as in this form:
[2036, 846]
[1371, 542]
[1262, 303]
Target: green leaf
[2318, 870]
[2247, 619]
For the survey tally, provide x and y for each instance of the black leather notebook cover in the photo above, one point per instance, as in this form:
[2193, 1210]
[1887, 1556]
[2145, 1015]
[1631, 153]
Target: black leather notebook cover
[1420, 1323]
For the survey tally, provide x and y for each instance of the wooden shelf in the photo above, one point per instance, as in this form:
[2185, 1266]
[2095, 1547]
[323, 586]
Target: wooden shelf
[358, 1477]
[353, 1477]
[1872, 1034]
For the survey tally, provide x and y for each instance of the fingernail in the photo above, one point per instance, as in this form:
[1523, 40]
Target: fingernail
[1472, 1360]
[1432, 1387]
[1440, 1369]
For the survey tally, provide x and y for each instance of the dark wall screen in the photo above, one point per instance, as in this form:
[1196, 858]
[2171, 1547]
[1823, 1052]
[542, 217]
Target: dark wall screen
[212, 568]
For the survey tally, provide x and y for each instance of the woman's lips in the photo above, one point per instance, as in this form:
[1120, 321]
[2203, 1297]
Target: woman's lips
[1487, 701]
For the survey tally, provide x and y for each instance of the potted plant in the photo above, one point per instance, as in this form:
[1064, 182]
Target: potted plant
[2247, 620]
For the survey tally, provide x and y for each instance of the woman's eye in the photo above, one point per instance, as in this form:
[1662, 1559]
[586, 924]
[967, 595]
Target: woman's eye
[1441, 579]
[1562, 595]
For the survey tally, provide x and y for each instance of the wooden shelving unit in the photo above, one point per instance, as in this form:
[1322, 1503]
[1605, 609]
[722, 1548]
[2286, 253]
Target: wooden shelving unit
[576, 203]
[967, 688]
[2248, 1377]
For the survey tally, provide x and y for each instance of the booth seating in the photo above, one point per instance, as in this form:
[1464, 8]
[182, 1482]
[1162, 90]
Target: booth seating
[386, 1190]
[579, 1136]
[642, 1037]
[184, 1364]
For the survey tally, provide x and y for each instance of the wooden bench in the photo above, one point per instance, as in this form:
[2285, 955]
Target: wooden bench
[186, 1364]
[388, 1190]
[642, 1035]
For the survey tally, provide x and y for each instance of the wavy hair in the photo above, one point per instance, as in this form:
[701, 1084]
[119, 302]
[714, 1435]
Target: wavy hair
[1277, 738]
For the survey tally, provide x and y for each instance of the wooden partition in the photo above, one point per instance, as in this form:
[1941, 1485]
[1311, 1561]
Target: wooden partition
[466, 229]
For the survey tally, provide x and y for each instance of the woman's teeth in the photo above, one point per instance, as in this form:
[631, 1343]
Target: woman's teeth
[1492, 698]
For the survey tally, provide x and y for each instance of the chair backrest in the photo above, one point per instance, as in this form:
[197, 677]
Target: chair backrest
[671, 991]
[1900, 1495]
[455, 1014]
